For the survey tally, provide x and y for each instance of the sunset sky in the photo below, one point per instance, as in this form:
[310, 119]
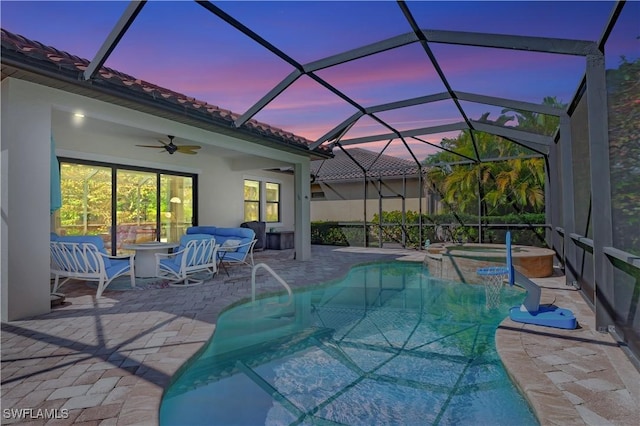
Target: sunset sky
[181, 46]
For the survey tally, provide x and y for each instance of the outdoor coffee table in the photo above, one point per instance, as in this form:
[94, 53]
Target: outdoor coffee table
[145, 259]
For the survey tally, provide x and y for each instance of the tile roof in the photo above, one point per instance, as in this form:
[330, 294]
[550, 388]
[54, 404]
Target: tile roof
[341, 167]
[20, 51]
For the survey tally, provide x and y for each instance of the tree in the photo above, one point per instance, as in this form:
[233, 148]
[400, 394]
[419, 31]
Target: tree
[517, 183]
[538, 123]
[623, 87]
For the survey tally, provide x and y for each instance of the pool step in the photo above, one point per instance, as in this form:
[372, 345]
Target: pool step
[227, 361]
[262, 339]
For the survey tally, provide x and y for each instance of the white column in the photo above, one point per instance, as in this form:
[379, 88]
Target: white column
[302, 189]
[25, 170]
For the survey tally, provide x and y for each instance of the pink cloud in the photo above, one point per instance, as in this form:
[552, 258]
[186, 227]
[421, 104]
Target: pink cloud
[406, 65]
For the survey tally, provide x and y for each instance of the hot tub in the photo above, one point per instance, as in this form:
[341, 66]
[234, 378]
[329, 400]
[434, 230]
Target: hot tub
[459, 262]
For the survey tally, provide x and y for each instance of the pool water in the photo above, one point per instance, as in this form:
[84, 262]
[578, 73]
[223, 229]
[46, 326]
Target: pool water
[388, 345]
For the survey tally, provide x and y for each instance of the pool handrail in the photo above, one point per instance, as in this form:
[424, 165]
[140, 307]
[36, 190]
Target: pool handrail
[273, 274]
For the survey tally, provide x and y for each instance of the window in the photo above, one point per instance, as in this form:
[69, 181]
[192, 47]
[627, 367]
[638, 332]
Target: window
[273, 201]
[251, 200]
[261, 201]
[139, 204]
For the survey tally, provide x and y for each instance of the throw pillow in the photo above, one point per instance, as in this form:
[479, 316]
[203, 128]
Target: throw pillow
[231, 245]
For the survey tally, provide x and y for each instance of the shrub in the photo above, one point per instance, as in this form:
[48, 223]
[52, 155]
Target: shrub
[435, 228]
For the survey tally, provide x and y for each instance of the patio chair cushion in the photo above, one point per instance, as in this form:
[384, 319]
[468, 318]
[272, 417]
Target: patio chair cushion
[234, 256]
[202, 230]
[117, 266]
[245, 236]
[230, 243]
[235, 232]
[171, 264]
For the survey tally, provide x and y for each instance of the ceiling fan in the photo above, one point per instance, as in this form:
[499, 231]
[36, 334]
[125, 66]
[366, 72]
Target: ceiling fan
[171, 148]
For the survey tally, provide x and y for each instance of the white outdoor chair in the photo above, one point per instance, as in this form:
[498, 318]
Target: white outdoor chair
[84, 257]
[235, 253]
[197, 254]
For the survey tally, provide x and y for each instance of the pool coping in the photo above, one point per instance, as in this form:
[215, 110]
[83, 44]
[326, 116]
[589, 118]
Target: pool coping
[570, 377]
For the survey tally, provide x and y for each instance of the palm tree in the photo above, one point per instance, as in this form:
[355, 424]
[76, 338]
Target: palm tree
[538, 123]
[522, 180]
[517, 183]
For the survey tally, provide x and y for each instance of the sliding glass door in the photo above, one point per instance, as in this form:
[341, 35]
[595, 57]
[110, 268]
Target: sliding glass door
[86, 201]
[124, 205]
[176, 201]
[136, 207]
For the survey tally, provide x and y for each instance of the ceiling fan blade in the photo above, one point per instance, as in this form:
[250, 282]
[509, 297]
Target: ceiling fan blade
[151, 146]
[170, 147]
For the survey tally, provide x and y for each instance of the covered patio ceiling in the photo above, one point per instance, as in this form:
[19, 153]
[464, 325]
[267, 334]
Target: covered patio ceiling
[387, 76]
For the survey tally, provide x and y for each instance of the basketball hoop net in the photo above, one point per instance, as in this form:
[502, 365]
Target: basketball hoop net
[493, 278]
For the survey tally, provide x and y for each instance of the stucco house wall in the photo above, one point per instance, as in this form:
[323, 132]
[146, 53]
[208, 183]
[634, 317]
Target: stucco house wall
[338, 188]
[220, 187]
[344, 200]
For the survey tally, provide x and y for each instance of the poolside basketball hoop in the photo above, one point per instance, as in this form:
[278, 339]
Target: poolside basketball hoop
[493, 278]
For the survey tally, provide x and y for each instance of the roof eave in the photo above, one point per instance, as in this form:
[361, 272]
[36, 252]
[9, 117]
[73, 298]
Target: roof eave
[145, 102]
[332, 179]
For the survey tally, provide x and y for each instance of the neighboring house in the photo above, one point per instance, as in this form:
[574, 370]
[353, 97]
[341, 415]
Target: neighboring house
[43, 96]
[338, 186]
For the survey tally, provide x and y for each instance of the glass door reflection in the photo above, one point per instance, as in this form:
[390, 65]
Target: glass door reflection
[136, 208]
[176, 201]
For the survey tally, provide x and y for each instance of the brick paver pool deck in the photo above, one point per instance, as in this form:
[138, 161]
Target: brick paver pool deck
[108, 361]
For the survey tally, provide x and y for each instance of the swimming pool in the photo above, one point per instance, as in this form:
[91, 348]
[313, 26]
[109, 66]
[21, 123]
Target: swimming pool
[387, 345]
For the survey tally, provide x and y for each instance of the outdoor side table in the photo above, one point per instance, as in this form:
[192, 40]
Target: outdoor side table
[145, 259]
[280, 240]
[222, 251]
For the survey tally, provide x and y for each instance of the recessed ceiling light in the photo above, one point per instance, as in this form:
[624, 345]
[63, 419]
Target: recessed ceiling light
[79, 115]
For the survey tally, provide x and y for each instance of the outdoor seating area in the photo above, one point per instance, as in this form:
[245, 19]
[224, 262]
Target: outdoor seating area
[85, 258]
[201, 251]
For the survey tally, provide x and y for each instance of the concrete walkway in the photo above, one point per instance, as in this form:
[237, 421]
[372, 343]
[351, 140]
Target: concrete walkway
[108, 361]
